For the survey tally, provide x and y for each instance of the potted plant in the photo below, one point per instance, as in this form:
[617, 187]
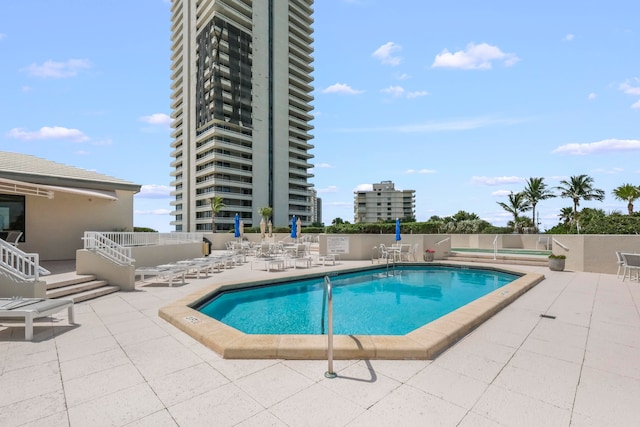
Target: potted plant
[428, 255]
[556, 262]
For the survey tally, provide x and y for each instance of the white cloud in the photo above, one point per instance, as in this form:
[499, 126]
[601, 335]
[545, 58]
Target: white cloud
[612, 171]
[569, 37]
[403, 76]
[26, 89]
[46, 132]
[605, 146]
[501, 193]
[386, 54]
[363, 187]
[394, 91]
[157, 119]
[3, 36]
[324, 166]
[496, 180]
[592, 96]
[154, 191]
[329, 189]
[453, 125]
[342, 88]
[420, 171]
[58, 70]
[398, 91]
[628, 88]
[153, 212]
[475, 57]
[417, 94]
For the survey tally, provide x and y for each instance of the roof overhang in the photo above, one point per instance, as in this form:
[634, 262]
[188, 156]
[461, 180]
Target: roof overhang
[48, 191]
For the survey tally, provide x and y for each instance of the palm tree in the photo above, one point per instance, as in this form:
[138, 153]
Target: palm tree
[566, 215]
[579, 187]
[627, 193]
[517, 203]
[535, 191]
[216, 203]
[265, 212]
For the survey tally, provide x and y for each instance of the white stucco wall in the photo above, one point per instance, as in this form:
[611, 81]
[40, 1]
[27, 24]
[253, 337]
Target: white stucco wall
[54, 227]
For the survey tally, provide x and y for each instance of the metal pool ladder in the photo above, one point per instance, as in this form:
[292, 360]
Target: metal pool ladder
[330, 373]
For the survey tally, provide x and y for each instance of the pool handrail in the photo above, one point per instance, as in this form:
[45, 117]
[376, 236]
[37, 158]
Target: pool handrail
[495, 247]
[330, 372]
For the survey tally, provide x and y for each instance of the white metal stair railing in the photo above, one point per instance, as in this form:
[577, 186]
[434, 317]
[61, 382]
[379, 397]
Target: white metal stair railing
[97, 242]
[20, 264]
[148, 239]
[495, 247]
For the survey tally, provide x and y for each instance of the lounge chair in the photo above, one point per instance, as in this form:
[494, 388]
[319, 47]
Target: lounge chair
[13, 237]
[33, 308]
[168, 271]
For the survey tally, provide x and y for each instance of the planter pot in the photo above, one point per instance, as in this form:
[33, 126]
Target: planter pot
[428, 257]
[556, 264]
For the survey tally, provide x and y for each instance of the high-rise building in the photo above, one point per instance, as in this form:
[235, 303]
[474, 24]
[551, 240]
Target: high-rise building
[241, 93]
[316, 207]
[384, 203]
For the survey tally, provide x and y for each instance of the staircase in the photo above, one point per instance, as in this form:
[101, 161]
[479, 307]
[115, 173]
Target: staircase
[488, 258]
[77, 287]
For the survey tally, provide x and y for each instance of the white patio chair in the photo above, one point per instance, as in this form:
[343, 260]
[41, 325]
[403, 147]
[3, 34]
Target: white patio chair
[413, 252]
[404, 253]
[620, 262]
[385, 253]
[631, 264]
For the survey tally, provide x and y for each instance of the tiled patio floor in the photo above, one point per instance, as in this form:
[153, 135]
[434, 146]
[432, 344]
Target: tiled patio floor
[123, 365]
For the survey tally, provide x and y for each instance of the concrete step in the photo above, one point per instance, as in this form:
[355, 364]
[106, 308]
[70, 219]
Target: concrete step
[540, 261]
[94, 293]
[77, 287]
[67, 279]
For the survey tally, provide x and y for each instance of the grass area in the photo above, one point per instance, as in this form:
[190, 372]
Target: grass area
[504, 251]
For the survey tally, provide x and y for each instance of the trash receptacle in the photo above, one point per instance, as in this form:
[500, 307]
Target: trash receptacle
[206, 246]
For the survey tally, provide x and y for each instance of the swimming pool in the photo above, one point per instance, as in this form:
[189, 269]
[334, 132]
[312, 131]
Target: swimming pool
[375, 302]
[422, 343]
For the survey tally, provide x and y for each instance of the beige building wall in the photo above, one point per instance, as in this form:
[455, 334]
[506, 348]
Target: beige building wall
[54, 227]
[383, 203]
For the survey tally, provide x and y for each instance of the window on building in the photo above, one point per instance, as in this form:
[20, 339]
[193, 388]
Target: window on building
[12, 213]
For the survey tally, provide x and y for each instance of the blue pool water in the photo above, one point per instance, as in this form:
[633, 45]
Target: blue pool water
[370, 302]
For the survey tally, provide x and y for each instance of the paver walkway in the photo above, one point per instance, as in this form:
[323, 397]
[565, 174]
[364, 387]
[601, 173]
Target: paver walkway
[123, 365]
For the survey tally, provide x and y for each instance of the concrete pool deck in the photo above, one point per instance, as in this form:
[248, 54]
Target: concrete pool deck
[124, 365]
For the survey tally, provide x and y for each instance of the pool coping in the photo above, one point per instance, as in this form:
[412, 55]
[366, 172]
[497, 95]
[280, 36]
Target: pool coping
[423, 343]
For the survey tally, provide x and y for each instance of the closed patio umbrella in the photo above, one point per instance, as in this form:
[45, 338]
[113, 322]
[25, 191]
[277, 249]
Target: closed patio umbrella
[263, 227]
[294, 228]
[236, 231]
[299, 227]
[398, 237]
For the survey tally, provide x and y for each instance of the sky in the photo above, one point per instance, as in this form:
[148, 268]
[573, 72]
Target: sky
[461, 101]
